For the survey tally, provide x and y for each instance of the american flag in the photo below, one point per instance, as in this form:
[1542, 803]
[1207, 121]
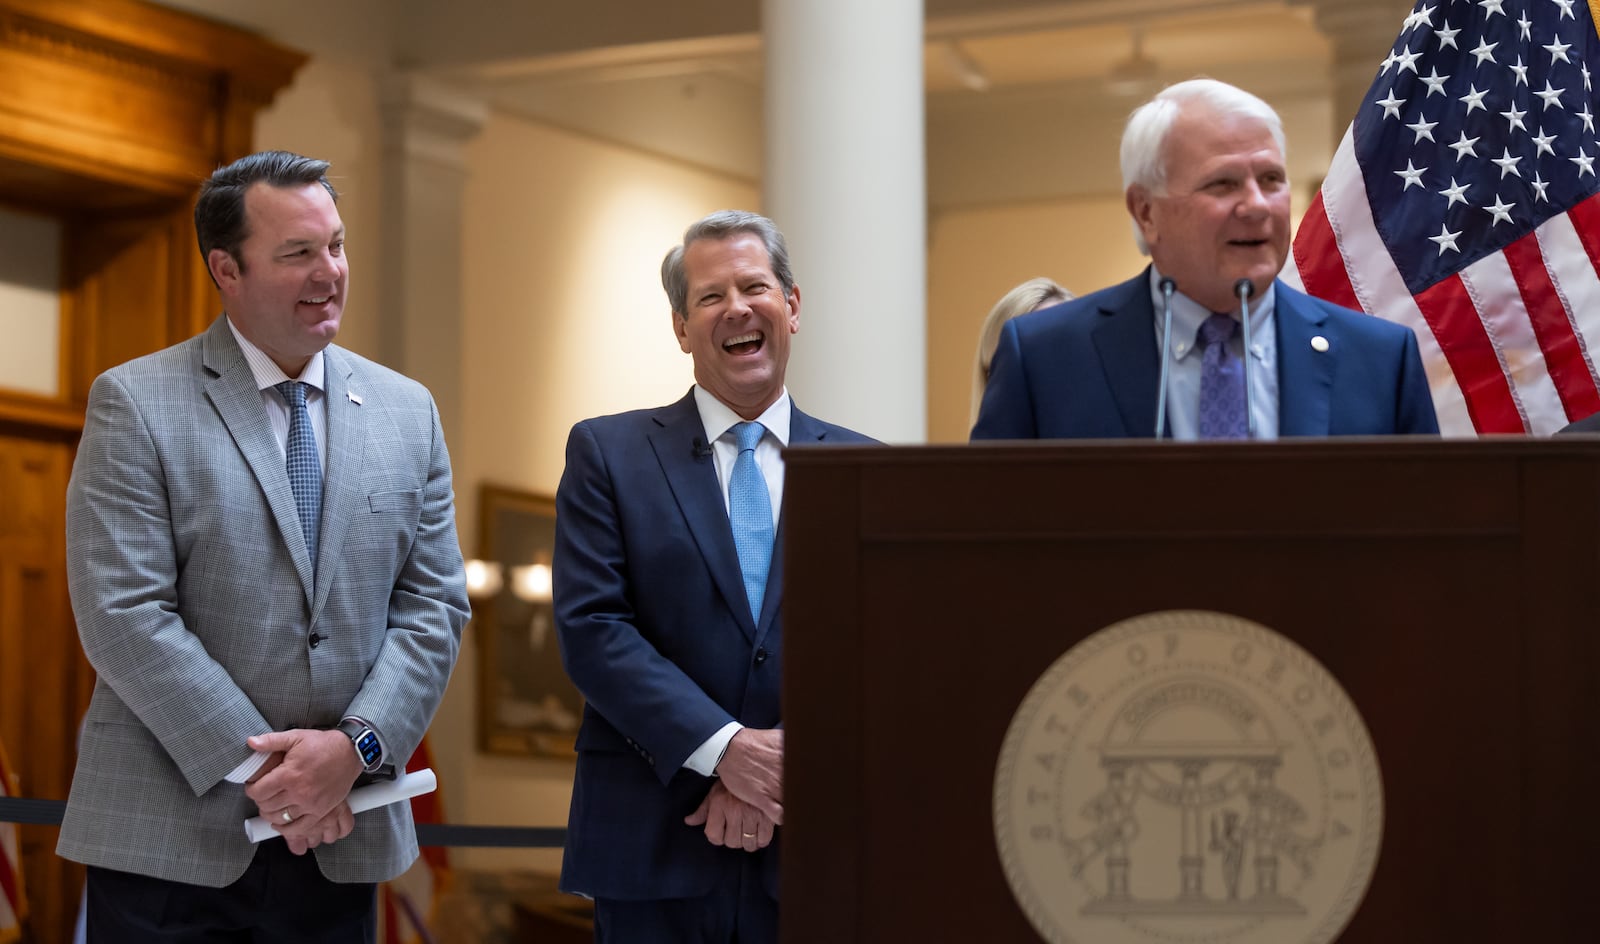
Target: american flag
[1461, 202]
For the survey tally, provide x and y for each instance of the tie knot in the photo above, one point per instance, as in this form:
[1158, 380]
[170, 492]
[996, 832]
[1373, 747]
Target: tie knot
[748, 435]
[1217, 329]
[293, 393]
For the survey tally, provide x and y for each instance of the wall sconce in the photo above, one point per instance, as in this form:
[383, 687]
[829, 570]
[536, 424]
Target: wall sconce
[484, 579]
[529, 582]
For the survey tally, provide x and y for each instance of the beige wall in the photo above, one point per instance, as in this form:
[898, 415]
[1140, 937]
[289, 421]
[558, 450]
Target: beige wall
[30, 303]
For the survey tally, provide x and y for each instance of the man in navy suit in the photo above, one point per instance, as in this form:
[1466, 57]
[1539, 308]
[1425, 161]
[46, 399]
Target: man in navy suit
[1205, 182]
[669, 628]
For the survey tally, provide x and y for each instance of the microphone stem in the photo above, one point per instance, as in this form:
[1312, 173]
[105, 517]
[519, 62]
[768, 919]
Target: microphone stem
[1167, 288]
[1249, 386]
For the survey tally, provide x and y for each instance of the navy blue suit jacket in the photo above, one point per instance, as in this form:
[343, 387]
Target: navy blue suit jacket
[656, 632]
[1089, 369]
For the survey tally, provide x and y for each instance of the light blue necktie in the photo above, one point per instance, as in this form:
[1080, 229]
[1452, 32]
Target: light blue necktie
[750, 510]
[304, 465]
[1222, 400]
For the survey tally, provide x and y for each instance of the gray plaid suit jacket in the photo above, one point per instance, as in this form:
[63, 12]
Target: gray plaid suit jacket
[195, 602]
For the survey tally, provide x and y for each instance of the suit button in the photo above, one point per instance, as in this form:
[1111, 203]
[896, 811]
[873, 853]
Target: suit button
[761, 655]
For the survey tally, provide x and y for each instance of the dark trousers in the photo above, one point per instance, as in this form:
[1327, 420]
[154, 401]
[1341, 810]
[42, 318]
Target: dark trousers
[737, 913]
[282, 898]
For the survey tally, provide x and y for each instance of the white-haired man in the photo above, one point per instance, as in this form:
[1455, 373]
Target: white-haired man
[1207, 188]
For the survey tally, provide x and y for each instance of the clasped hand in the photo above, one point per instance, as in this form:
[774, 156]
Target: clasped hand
[745, 805]
[303, 787]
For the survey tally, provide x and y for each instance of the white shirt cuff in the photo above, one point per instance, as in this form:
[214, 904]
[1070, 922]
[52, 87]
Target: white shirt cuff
[246, 770]
[705, 758]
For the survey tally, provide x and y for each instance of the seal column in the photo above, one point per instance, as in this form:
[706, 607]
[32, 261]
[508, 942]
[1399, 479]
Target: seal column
[1191, 860]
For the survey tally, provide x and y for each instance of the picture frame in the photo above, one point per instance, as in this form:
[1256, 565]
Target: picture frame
[526, 704]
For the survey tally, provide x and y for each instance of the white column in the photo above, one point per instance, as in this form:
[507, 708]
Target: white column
[846, 182]
[1361, 32]
[426, 126]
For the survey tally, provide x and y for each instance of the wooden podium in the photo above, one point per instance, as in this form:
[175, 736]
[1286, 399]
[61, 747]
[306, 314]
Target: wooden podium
[1451, 588]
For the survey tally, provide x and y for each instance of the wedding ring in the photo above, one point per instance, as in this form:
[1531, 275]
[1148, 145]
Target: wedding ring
[287, 818]
[749, 835]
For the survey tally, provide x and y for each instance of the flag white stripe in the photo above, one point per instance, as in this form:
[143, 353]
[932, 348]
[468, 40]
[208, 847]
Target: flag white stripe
[1379, 286]
[1494, 293]
[1576, 283]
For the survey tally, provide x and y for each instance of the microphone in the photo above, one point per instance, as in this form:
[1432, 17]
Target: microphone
[1244, 290]
[1167, 287]
[702, 449]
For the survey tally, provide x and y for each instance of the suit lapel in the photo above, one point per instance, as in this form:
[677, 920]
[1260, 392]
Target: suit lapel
[233, 392]
[803, 431]
[678, 441]
[347, 439]
[1125, 340]
[1305, 375]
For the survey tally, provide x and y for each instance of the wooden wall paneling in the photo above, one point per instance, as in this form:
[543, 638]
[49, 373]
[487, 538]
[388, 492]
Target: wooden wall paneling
[44, 679]
[120, 289]
[114, 101]
[194, 299]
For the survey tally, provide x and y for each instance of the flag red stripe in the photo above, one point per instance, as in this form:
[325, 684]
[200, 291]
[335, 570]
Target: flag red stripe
[1563, 355]
[1316, 254]
[1455, 325]
[10, 877]
[391, 919]
[9, 887]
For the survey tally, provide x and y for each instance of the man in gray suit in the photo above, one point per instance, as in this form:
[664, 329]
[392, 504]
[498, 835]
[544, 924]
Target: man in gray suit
[262, 557]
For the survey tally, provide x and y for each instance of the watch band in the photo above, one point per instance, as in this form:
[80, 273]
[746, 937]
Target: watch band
[369, 747]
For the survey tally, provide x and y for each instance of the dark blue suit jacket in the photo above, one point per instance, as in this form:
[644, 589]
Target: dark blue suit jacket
[656, 633]
[1089, 369]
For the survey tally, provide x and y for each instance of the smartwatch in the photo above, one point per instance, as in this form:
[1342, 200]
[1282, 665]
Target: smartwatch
[366, 741]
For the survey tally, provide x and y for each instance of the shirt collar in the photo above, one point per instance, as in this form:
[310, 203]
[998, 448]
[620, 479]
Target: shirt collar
[1188, 315]
[266, 371]
[718, 417]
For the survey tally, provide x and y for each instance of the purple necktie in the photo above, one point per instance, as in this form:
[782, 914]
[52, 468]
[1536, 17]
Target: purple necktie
[1222, 407]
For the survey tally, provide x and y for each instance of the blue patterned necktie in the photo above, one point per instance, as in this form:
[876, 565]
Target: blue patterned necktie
[1222, 406]
[304, 465]
[750, 511]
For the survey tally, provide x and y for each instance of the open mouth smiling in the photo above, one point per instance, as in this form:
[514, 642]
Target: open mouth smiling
[749, 343]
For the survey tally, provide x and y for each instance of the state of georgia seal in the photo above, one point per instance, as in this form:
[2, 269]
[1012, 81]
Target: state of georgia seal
[1187, 776]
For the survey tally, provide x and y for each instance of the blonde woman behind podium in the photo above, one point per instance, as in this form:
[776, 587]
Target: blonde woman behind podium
[1029, 296]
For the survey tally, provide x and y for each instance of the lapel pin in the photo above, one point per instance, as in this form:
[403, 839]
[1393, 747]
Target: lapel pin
[1318, 344]
[356, 397]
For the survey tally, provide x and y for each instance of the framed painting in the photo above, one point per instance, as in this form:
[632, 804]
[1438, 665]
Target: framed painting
[526, 704]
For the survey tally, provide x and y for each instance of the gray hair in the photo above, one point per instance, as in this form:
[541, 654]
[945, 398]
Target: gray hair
[721, 225]
[1144, 140]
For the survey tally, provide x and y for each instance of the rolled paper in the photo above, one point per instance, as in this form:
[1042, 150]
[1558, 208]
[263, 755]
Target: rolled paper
[404, 787]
